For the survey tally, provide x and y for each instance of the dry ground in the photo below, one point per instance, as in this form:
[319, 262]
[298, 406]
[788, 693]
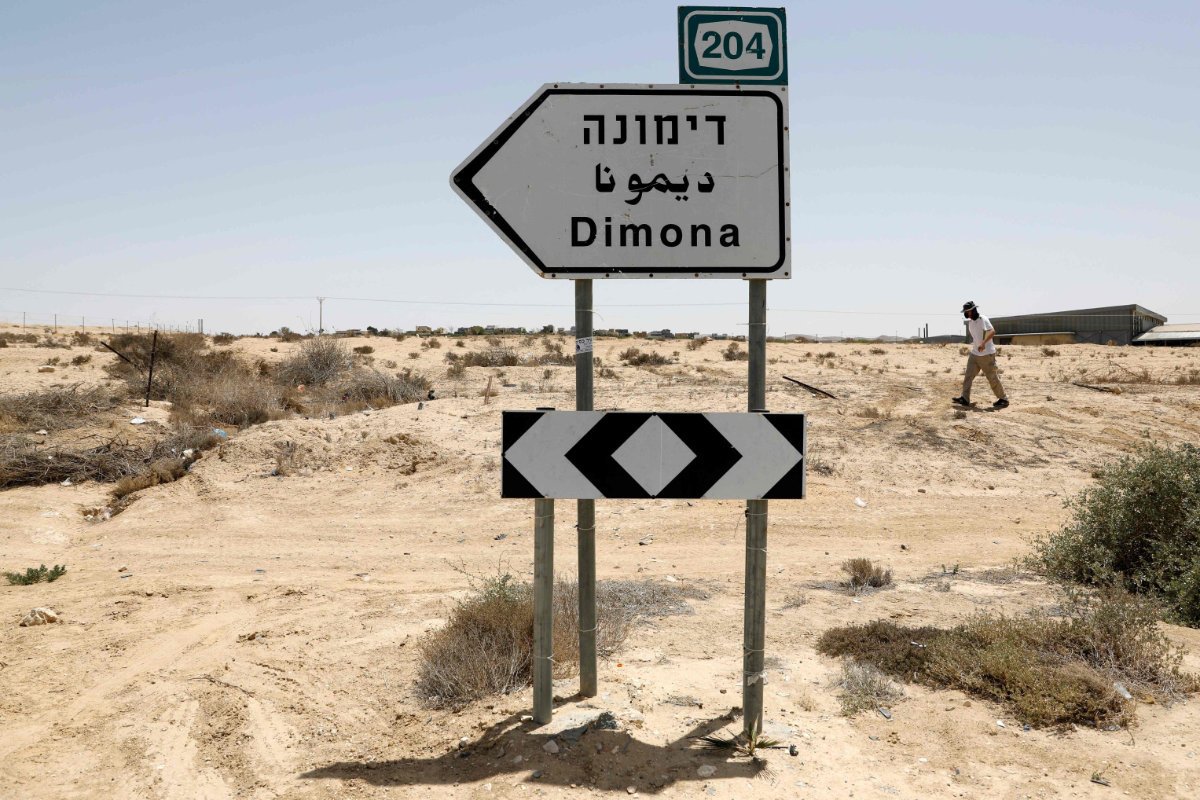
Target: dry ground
[260, 643]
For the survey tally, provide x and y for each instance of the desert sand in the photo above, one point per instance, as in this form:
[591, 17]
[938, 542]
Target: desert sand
[261, 640]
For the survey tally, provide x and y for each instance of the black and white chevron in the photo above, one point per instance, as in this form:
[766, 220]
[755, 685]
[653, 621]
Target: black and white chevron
[624, 454]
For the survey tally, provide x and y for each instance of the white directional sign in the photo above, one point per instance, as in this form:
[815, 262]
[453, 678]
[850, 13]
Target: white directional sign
[594, 454]
[619, 181]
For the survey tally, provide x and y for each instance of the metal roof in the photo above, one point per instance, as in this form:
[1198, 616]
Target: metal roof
[1103, 311]
[1183, 332]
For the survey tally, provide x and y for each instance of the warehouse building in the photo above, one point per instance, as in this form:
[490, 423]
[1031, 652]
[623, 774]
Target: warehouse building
[1117, 324]
[1184, 335]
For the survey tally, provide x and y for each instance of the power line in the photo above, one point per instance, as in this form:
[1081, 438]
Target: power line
[308, 298]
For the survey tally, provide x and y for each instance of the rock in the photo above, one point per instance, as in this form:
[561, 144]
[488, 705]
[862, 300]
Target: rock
[607, 721]
[631, 790]
[518, 759]
[537, 773]
[43, 432]
[137, 421]
[706, 770]
[39, 616]
[858, 501]
[45, 369]
[646, 541]
[574, 734]
[551, 747]
[793, 750]
[122, 569]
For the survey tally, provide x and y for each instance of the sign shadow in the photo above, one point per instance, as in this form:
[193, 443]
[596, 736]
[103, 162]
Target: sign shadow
[609, 760]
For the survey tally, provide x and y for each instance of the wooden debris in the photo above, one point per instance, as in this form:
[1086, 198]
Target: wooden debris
[813, 389]
[1108, 389]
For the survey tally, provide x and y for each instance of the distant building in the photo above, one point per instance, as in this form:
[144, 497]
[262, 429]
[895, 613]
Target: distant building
[1180, 335]
[665, 333]
[1118, 324]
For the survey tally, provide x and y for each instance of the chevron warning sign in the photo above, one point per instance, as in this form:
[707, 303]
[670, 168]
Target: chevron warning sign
[624, 454]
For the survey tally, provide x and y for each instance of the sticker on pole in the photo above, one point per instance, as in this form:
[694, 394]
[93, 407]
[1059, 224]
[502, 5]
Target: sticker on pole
[604, 181]
[732, 45]
[637, 455]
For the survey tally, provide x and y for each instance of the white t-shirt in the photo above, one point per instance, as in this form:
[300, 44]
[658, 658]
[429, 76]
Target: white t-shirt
[977, 327]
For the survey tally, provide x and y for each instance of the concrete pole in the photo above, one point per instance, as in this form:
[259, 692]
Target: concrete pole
[543, 610]
[755, 610]
[585, 509]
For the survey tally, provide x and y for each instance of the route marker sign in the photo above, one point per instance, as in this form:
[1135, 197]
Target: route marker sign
[732, 45]
[639, 181]
[636, 455]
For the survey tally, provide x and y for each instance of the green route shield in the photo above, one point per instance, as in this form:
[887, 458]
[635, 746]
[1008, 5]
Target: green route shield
[732, 45]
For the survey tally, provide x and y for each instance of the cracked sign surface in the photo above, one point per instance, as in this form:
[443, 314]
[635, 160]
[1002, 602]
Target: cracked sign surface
[635, 455]
[619, 181]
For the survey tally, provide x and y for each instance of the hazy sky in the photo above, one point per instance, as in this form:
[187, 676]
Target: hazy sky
[1031, 156]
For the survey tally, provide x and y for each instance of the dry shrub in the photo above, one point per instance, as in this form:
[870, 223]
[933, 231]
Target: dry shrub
[28, 463]
[1049, 352]
[486, 647]
[1049, 672]
[492, 357]
[877, 351]
[431, 344]
[864, 688]
[697, 343]
[26, 338]
[364, 350]
[634, 357]
[734, 353]
[369, 388]
[79, 361]
[57, 408]
[164, 470]
[316, 362]
[289, 459]
[865, 574]
[223, 339]
[456, 371]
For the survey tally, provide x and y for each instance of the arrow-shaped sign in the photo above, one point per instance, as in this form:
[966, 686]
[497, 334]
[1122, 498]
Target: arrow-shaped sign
[628, 181]
[594, 454]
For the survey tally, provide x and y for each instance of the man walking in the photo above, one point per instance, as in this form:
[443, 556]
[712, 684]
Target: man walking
[982, 357]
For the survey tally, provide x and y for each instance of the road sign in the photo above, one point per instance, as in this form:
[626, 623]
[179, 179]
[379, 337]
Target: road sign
[639, 181]
[597, 454]
[732, 45]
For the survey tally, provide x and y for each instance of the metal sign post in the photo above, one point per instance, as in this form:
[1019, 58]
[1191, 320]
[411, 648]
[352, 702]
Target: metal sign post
[755, 611]
[585, 508]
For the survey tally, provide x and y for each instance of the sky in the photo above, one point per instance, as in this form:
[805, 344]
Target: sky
[1030, 156]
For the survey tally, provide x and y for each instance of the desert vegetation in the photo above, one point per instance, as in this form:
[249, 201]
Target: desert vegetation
[1047, 671]
[1137, 527]
[486, 645]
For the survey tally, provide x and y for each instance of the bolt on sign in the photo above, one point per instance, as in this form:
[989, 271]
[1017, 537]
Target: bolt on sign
[639, 181]
[732, 45]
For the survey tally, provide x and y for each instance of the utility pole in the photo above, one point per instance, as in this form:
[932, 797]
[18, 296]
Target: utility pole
[320, 315]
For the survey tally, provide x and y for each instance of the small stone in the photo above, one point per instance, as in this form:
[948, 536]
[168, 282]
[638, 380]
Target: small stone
[706, 770]
[518, 759]
[631, 790]
[647, 540]
[537, 773]
[793, 750]
[122, 569]
[43, 432]
[551, 747]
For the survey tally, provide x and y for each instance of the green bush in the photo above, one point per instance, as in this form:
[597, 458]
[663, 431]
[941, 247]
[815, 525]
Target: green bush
[32, 575]
[1138, 526]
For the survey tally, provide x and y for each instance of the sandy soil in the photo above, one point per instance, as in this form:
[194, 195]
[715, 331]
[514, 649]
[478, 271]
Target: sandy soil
[261, 642]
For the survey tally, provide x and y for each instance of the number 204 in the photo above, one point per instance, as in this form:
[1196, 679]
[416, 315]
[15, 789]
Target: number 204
[731, 45]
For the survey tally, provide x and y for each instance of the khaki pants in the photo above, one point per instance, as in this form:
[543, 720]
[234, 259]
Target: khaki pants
[986, 365]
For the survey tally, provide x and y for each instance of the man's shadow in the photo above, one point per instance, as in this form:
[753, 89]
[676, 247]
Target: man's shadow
[588, 756]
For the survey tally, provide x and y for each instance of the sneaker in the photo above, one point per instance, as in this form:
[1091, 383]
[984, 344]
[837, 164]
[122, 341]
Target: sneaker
[1001, 403]
[961, 401]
